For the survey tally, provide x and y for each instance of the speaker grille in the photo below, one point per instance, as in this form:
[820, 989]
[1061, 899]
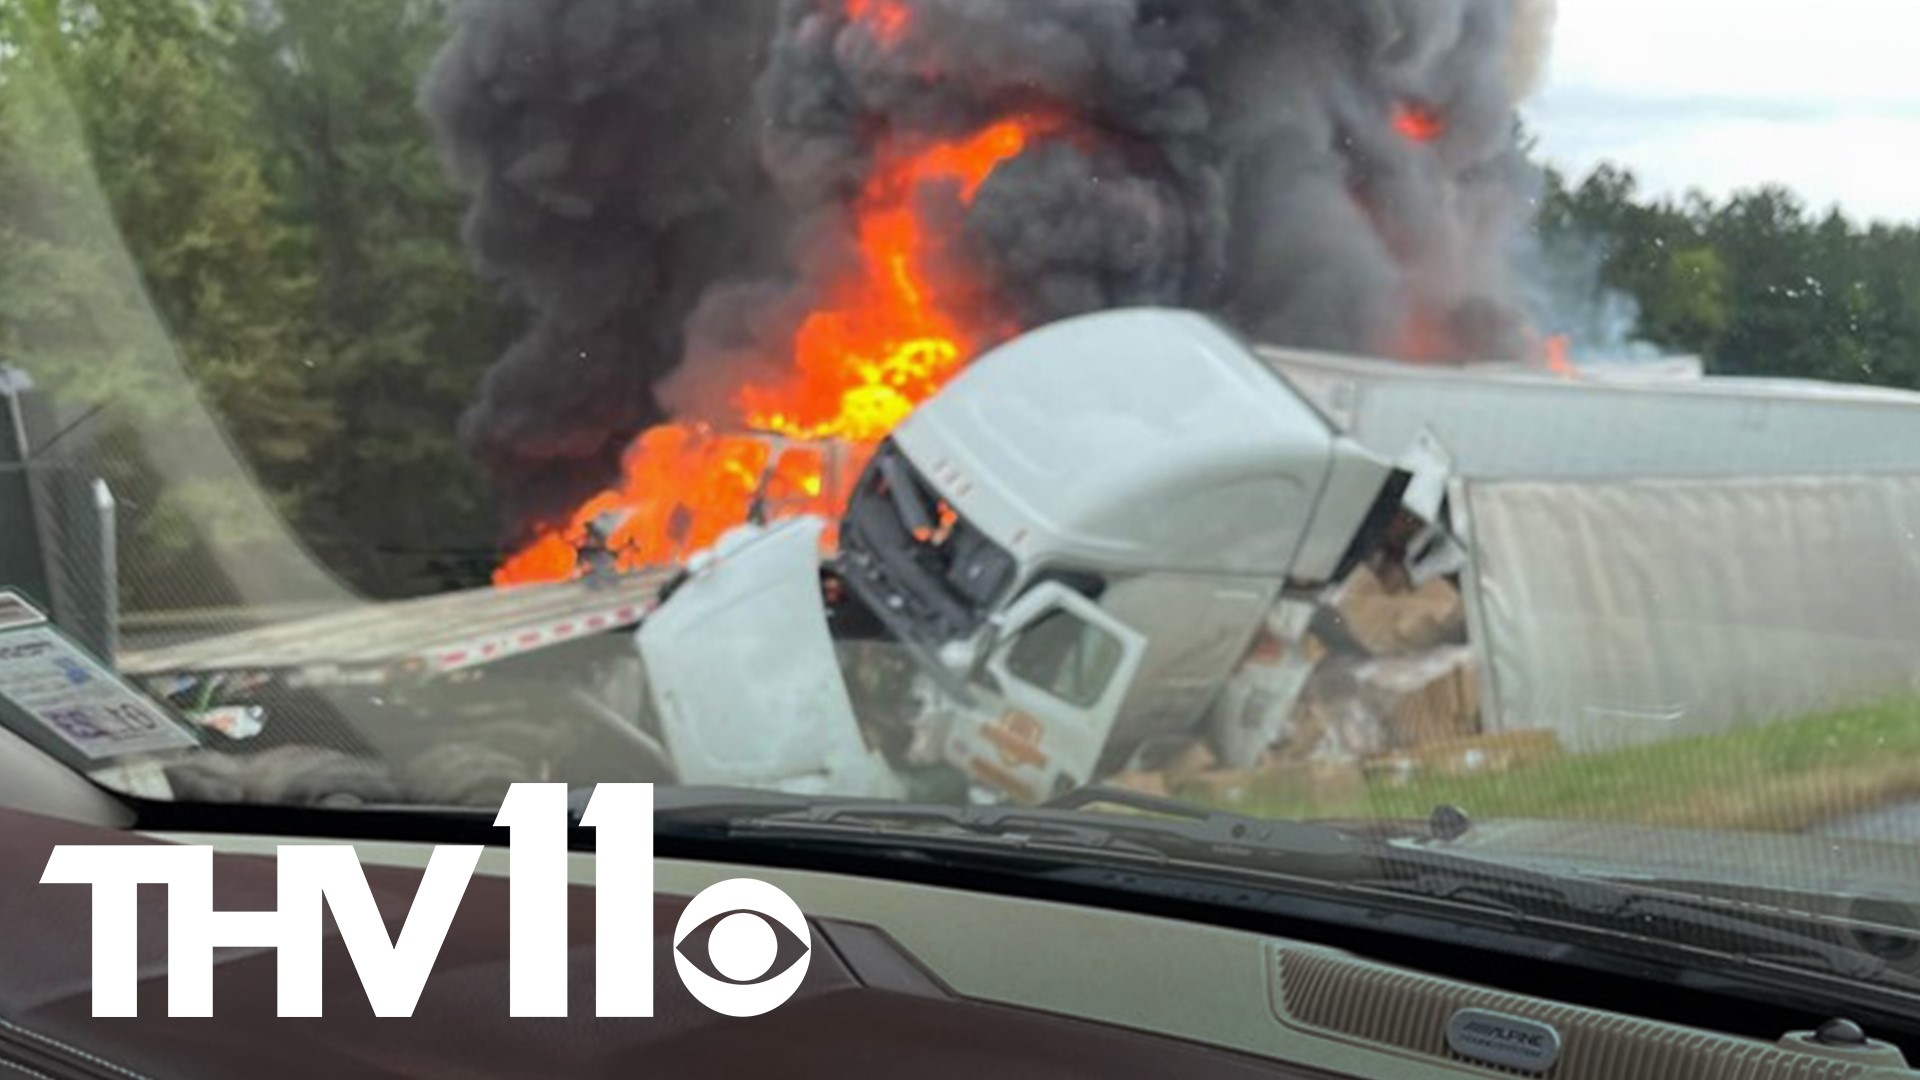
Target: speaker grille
[1331, 993]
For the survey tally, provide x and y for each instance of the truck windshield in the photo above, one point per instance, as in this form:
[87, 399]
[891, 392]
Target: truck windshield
[1308, 411]
[929, 572]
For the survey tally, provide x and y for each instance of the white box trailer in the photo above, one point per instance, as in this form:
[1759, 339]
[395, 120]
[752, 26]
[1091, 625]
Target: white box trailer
[1499, 423]
[1617, 612]
[1654, 553]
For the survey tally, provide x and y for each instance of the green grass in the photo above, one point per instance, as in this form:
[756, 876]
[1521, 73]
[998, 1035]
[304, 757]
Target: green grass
[1783, 776]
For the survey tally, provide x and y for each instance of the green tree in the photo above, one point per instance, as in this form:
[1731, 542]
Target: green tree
[1756, 284]
[1686, 300]
[281, 199]
[176, 155]
[117, 141]
[408, 327]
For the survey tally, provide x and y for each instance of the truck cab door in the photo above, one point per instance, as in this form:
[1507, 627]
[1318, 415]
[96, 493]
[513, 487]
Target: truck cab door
[1057, 675]
[742, 673]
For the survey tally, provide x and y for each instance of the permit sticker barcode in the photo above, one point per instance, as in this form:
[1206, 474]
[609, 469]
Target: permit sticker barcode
[80, 702]
[15, 611]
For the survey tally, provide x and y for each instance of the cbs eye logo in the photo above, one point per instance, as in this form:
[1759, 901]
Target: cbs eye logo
[742, 947]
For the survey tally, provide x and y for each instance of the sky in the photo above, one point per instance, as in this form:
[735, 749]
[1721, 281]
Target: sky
[1822, 96]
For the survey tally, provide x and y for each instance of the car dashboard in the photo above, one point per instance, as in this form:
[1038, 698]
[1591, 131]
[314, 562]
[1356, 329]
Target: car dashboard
[903, 979]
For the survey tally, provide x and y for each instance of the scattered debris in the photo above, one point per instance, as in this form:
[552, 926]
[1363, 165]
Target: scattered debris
[1472, 755]
[1396, 619]
[1222, 786]
[1257, 706]
[237, 722]
[1147, 783]
[1323, 783]
[1385, 691]
[1333, 721]
[1423, 698]
[1193, 760]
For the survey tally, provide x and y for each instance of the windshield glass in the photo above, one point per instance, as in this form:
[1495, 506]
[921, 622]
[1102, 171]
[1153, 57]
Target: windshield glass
[1313, 410]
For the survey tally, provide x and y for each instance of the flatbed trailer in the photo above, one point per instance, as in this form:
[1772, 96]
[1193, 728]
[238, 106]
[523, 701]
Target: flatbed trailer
[432, 699]
[450, 695]
[375, 644]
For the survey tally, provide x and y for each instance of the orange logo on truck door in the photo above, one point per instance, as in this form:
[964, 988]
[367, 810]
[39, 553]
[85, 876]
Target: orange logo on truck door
[1016, 736]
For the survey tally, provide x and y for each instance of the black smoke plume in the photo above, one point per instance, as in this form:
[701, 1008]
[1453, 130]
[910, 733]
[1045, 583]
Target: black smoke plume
[665, 184]
[609, 148]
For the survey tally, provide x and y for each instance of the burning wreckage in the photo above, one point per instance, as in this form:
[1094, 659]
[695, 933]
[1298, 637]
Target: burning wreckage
[1134, 548]
[1122, 543]
[1055, 564]
[945, 175]
[1132, 545]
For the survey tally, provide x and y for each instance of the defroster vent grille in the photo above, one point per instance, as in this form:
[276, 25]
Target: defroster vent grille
[1335, 994]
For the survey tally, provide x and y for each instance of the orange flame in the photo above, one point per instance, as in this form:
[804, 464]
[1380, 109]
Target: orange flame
[885, 342]
[550, 557]
[1418, 122]
[887, 20]
[1422, 338]
[1559, 351]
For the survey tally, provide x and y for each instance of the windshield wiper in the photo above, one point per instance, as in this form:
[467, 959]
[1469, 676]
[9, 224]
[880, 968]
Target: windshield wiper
[1155, 828]
[1178, 837]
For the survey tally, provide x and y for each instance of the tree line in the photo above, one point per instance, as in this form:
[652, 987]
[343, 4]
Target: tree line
[293, 228]
[289, 219]
[1757, 284]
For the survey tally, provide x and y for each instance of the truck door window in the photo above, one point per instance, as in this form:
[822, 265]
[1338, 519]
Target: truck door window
[1067, 657]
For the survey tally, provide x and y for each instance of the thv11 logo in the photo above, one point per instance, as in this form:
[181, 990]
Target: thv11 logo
[744, 927]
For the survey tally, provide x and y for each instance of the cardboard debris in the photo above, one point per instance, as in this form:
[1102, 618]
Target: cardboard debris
[1299, 721]
[1342, 784]
[1324, 783]
[1197, 758]
[1475, 755]
[1147, 783]
[1424, 698]
[1392, 622]
[1222, 786]
[1334, 721]
[1257, 705]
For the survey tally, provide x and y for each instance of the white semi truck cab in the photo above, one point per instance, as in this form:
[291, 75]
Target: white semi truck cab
[1075, 542]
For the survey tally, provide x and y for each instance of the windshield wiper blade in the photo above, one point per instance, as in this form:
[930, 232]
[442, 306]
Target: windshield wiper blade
[1179, 831]
[1169, 831]
[1702, 925]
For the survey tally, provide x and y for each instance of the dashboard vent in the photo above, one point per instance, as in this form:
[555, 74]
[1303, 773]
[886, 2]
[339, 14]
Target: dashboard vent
[1332, 993]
